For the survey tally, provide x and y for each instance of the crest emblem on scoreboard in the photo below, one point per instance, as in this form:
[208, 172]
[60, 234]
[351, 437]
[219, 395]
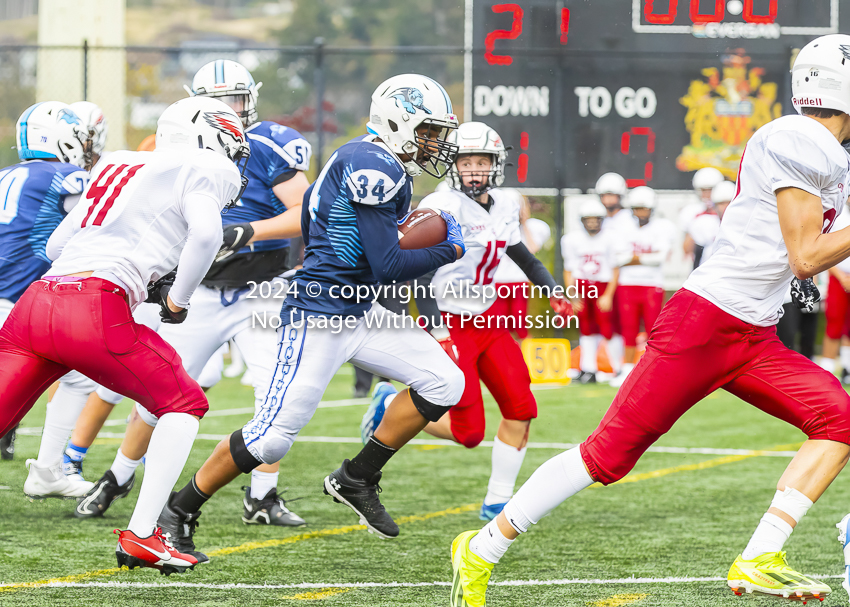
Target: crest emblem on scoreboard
[725, 107]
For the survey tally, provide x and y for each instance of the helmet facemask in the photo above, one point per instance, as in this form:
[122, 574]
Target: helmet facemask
[592, 225]
[489, 178]
[430, 151]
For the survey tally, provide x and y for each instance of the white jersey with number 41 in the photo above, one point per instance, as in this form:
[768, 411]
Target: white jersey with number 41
[130, 220]
[486, 235]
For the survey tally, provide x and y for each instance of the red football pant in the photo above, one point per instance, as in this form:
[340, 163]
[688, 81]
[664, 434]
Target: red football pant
[491, 356]
[636, 303]
[694, 349]
[86, 325]
[592, 320]
[837, 304]
[514, 305]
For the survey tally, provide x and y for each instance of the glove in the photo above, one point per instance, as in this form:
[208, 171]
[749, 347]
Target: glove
[155, 287]
[453, 232]
[804, 294]
[561, 305]
[236, 236]
[165, 313]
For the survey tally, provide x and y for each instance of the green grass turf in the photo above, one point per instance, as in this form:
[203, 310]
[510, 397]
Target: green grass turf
[686, 524]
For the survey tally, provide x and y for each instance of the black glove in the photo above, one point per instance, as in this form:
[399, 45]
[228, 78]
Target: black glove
[236, 235]
[154, 287]
[168, 317]
[804, 294]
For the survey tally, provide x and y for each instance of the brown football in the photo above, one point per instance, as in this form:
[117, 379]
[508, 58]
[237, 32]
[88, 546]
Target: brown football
[421, 229]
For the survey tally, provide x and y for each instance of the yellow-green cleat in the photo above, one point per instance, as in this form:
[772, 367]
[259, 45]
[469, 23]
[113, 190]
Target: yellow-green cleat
[471, 573]
[770, 574]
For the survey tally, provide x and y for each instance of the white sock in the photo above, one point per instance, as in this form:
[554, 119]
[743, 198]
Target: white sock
[123, 467]
[262, 483]
[506, 462]
[167, 453]
[771, 534]
[588, 345]
[844, 354]
[490, 544]
[62, 413]
[827, 364]
[616, 351]
[551, 484]
[389, 399]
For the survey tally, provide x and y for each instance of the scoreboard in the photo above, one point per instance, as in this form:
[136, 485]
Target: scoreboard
[651, 89]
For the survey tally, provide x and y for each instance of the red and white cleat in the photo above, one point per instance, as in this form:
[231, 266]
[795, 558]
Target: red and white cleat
[152, 551]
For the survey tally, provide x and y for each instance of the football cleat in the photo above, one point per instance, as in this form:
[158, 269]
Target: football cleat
[470, 573]
[362, 497]
[7, 444]
[845, 376]
[375, 413]
[587, 377]
[844, 540]
[179, 527]
[153, 551]
[48, 481]
[269, 510]
[491, 511]
[72, 469]
[100, 497]
[620, 379]
[770, 574]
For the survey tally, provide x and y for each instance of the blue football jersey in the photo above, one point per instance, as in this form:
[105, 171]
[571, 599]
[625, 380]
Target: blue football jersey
[33, 198]
[275, 151]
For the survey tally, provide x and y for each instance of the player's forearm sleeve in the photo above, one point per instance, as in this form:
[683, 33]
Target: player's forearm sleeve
[379, 237]
[60, 237]
[425, 302]
[202, 243]
[531, 266]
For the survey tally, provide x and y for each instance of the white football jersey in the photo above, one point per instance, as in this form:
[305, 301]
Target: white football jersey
[508, 271]
[704, 228]
[130, 221]
[589, 257]
[622, 220]
[748, 274]
[689, 212]
[486, 235]
[655, 239]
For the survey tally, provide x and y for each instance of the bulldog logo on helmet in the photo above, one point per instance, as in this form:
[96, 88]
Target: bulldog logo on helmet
[226, 124]
[411, 99]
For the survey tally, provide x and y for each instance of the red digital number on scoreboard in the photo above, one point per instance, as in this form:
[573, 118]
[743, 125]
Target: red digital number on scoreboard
[626, 148]
[697, 16]
[515, 31]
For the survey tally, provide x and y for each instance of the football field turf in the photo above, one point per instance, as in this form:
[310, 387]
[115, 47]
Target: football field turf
[674, 526]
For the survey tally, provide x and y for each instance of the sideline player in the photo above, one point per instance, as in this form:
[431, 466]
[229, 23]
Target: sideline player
[717, 332]
[489, 217]
[837, 306]
[141, 215]
[38, 192]
[255, 250]
[704, 181]
[590, 261]
[705, 226]
[349, 226]
[641, 255]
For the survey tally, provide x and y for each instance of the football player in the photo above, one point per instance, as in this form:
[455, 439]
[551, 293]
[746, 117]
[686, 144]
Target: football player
[590, 261]
[349, 226]
[642, 252]
[717, 332]
[255, 250]
[704, 181]
[705, 226]
[489, 218]
[142, 214]
[837, 306]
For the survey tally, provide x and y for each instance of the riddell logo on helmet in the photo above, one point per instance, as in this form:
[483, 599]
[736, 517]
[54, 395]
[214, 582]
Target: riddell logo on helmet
[224, 123]
[807, 102]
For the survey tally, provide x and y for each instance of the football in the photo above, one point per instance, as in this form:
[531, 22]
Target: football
[421, 229]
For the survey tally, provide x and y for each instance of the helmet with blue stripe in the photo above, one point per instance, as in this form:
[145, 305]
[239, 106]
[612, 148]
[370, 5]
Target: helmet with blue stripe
[49, 130]
[232, 83]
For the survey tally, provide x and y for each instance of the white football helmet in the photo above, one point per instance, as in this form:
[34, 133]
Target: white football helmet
[94, 123]
[201, 122]
[723, 192]
[403, 103]
[641, 197]
[51, 129]
[224, 78]
[706, 178]
[611, 183]
[477, 138]
[820, 77]
[592, 208]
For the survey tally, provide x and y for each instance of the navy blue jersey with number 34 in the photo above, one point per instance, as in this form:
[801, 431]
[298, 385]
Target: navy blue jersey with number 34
[349, 223]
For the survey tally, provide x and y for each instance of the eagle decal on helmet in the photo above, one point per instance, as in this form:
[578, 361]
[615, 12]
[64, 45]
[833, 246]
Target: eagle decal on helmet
[411, 99]
[225, 123]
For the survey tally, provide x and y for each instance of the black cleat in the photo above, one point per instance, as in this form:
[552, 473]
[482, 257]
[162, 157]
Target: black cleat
[845, 376]
[270, 510]
[587, 377]
[7, 444]
[362, 497]
[100, 497]
[179, 528]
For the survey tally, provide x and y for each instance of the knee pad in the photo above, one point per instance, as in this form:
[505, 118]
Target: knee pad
[149, 418]
[74, 381]
[244, 459]
[429, 410]
[108, 396]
